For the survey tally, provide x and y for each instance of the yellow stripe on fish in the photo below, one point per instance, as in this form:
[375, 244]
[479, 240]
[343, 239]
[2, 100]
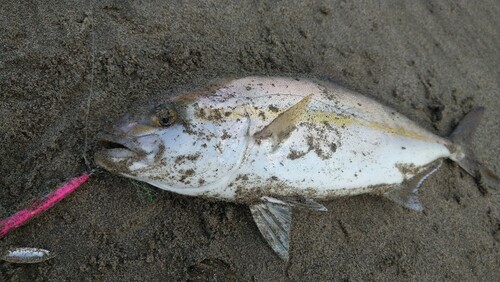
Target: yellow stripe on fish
[314, 117]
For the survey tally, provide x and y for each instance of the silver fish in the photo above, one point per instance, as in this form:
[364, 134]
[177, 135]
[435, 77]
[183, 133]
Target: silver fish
[275, 143]
[26, 255]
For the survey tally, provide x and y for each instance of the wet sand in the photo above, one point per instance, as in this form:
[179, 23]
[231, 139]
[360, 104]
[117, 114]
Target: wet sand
[431, 62]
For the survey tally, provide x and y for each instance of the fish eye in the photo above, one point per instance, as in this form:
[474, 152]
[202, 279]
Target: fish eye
[164, 116]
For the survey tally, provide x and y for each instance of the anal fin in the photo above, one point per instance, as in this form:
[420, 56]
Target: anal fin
[406, 194]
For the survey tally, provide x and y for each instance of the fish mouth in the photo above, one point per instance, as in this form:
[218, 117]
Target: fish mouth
[117, 153]
[117, 144]
[109, 145]
[122, 153]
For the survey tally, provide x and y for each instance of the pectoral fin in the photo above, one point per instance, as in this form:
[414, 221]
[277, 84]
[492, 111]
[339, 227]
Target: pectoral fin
[274, 220]
[281, 127]
[406, 194]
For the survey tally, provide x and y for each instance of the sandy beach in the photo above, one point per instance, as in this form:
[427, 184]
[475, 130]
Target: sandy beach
[431, 61]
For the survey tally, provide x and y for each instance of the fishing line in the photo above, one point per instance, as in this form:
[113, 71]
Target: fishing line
[46, 202]
[91, 89]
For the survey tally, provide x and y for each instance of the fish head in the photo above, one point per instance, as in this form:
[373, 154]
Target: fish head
[176, 146]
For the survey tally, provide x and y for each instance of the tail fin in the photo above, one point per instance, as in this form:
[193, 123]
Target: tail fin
[461, 138]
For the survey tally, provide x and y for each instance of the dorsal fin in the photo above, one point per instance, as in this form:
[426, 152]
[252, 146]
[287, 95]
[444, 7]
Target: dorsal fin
[281, 127]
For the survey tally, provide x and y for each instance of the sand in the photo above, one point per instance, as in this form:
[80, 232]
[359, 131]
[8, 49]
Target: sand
[431, 62]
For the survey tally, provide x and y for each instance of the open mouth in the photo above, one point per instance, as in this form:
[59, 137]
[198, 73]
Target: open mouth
[106, 144]
[120, 145]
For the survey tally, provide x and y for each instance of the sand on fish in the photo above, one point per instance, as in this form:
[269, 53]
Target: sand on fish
[431, 61]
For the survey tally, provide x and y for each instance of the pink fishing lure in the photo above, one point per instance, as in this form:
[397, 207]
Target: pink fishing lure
[41, 205]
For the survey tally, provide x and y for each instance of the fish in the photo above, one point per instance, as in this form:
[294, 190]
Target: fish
[278, 143]
[26, 255]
